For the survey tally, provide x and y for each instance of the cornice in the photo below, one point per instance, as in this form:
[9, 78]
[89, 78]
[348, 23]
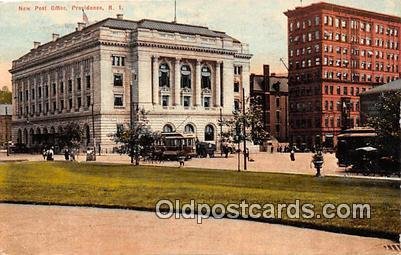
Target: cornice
[54, 56]
[183, 47]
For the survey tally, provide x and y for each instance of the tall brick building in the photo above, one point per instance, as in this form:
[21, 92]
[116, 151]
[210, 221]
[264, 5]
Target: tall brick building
[335, 53]
[271, 91]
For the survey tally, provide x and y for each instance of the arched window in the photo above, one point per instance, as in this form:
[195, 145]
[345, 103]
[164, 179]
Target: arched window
[185, 76]
[164, 75]
[25, 137]
[167, 128]
[206, 78]
[189, 129]
[19, 139]
[209, 133]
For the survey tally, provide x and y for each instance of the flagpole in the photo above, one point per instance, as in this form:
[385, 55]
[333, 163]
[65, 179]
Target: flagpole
[175, 11]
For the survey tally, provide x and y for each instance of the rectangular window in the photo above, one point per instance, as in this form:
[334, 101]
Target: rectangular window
[118, 61]
[54, 106]
[206, 102]
[70, 104]
[61, 87]
[338, 90]
[88, 81]
[61, 104]
[331, 90]
[277, 102]
[70, 86]
[236, 105]
[88, 101]
[40, 92]
[345, 91]
[186, 101]
[118, 80]
[165, 101]
[46, 91]
[54, 89]
[78, 83]
[33, 94]
[118, 100]
[79, 102]
[236, 86]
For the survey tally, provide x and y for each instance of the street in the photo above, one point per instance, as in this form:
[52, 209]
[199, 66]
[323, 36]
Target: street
[26, 229]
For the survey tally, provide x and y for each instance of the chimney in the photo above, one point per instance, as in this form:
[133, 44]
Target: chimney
[120, 16]
[266, 80]
[36, 45]
[81, 26]
[55, 36]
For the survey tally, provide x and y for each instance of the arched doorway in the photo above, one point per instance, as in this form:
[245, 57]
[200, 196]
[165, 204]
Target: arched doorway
[209, 133]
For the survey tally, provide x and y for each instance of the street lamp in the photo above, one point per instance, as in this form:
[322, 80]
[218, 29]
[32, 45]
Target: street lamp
[93, 134]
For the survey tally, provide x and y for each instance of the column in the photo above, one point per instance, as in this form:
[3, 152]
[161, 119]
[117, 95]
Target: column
[218, 85]
[65, 90]
[72, 77]
[177, 82]
[50, 95]
[155, 80]
[83, 85]
[57, 81]
[198, 83]
[228, 91]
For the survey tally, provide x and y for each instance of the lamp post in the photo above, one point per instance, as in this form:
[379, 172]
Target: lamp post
[244, 126]
[93, 134]
[221, 132]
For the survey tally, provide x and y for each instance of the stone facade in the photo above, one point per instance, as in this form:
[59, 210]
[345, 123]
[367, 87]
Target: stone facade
[182, 75]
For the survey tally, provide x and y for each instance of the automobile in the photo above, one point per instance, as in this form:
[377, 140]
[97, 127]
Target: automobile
[203, 149]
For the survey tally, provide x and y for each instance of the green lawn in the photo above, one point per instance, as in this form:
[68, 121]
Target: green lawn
[141, 187]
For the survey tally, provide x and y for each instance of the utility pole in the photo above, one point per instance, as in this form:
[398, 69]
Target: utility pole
[244, 125]
[93, 134]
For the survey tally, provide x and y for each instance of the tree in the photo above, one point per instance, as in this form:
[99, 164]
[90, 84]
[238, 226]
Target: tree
[136, 140]
[5, 95]
[72, 135]
[253, 121]
[387, 123]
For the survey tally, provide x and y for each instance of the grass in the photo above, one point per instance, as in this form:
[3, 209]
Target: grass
[141, 187]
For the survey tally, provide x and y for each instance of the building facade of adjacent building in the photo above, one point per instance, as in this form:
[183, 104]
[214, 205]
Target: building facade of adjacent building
[371, 98]
[271, 92]
[181, 75]
[335, 53]
[5, 123]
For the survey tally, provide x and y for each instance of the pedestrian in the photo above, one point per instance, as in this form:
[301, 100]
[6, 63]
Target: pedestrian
[181, 159]
[72, 155]
[271, 149]
[50, 154]
[44, 152]
[292, 154]
[66, 154]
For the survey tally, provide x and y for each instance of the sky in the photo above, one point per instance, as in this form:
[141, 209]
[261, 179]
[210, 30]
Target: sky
[260, 23]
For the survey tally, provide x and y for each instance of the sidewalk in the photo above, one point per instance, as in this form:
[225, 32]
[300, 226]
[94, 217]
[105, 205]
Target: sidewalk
[262, 162]
[26, 229]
